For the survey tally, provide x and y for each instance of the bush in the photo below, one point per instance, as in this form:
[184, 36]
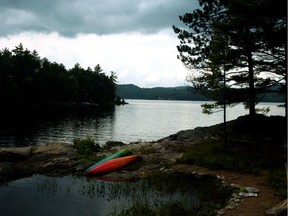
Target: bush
[85, 146]
[278, 180]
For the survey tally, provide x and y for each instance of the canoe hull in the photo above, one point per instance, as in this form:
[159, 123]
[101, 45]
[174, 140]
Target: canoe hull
[120, 153]
[113, 164]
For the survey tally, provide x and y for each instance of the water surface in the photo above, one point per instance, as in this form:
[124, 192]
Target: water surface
[71, 195]
[140, 120]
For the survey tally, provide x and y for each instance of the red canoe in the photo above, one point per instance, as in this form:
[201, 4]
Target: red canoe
[113, 164]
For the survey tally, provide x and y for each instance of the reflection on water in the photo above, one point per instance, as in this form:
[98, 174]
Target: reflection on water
[39, 125]
[70, 195]
[139, 120]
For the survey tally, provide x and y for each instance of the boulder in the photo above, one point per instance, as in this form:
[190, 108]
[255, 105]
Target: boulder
[279, 209]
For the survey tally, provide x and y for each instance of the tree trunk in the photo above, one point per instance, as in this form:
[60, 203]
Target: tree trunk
[225, 122]
[252, 95]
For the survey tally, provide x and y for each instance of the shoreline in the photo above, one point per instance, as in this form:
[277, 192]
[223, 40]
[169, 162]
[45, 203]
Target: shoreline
[58, 159]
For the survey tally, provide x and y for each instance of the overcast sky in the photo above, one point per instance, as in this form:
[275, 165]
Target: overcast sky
[133, 38]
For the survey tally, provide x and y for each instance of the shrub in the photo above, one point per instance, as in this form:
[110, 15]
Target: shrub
[85, 146]
[278, 180]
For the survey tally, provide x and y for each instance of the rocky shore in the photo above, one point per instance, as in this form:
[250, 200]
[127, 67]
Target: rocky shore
[162, 155]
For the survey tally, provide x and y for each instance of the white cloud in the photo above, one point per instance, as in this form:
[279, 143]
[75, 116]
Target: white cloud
[132, 38]
[147, 60]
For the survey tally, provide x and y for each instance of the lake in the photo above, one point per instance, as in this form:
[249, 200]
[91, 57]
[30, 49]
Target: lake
[140, 120]
[77, 195]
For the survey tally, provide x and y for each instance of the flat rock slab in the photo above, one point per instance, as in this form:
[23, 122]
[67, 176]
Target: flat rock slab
[23, 151]
[51, 158]
[54, 148]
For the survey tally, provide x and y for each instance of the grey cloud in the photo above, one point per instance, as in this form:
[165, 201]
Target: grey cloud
[69, 17]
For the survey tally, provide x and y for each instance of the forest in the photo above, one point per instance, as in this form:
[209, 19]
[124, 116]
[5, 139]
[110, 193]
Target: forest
[27, 78]
[130, 91]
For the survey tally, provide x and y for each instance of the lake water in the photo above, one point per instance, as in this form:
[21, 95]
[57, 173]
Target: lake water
[78, 195]
[140, 120]
[74, 196]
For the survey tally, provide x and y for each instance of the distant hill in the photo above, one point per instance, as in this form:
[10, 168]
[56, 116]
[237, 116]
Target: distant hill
[130, 91]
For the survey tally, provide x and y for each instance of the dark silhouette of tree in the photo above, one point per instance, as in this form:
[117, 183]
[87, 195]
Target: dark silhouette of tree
[240, 41]
[26, 78]
[8, 86]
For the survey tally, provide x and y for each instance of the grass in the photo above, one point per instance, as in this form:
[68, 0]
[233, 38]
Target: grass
[172, 208]
[215, 156]
[173, 194]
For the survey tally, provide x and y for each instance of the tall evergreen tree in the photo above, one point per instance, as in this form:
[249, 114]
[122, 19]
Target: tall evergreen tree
[26, 78]
[251, 59]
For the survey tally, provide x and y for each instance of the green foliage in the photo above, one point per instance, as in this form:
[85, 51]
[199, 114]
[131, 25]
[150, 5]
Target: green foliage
[230, 44]
[175, 93]
[181, 93]
[207, 108]
[85, 146]
[120, 101]
[27, 78]
[278, 179]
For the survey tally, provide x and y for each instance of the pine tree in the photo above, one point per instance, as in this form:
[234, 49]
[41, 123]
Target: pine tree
[232, 40]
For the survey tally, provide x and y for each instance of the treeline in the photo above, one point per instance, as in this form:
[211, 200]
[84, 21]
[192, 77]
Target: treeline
[25, 77]
[130, 91]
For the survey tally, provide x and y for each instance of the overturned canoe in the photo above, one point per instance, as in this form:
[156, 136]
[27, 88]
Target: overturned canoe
[120, 153]
[113, 164]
